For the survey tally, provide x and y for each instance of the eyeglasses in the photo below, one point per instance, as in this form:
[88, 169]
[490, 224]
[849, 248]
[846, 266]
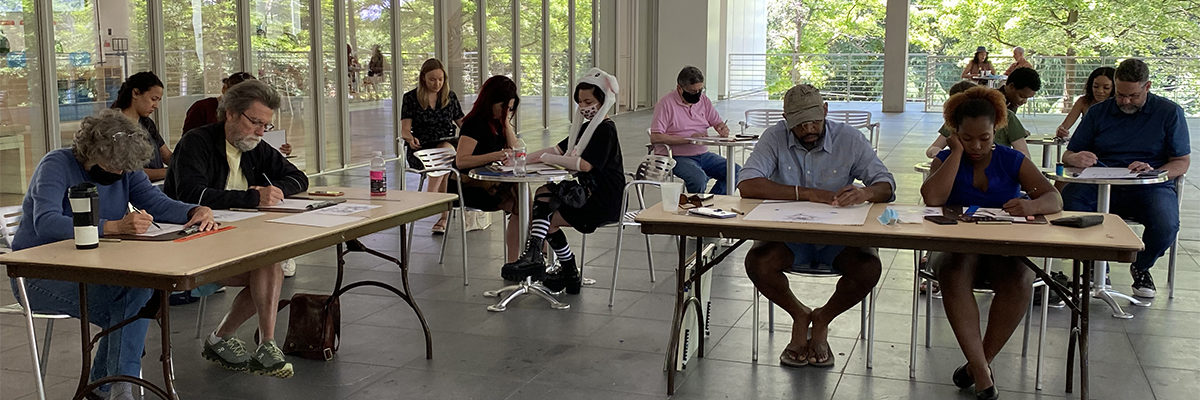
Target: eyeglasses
[264, 125]
[809, 125]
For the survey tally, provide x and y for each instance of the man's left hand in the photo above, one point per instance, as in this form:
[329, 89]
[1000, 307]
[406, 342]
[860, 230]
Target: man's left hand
[1138, 166]
[851, 195]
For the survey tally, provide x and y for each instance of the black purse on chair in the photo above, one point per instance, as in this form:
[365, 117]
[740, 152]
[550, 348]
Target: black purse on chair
[573, 193]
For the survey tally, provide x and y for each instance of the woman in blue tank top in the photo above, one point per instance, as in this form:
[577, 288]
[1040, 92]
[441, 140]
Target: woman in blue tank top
[976, 172]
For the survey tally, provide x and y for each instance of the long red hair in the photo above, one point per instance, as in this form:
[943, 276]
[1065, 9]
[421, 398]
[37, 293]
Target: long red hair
[498, 89]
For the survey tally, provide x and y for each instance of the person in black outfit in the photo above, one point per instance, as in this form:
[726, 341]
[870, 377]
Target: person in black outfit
[428, 120]
[137, 99]
[592, 151]
[224, 165]
[486, 132]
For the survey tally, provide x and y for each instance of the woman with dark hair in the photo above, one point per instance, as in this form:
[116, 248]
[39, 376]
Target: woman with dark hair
[428, 119]
[1099, 87]
[486, 131]
[979, 65]
[137, 99]
[592, 151]
[976, 172]
[108, 152]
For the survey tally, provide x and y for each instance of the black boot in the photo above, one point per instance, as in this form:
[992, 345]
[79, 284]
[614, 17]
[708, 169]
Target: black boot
[567, 278]
[532, 263]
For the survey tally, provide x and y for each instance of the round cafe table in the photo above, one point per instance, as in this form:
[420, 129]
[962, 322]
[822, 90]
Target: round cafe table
[524, 206]
[727, 144]
[1103, 192]
[1052, 148]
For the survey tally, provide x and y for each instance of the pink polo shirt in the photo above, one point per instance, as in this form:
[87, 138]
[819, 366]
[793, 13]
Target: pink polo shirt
[674, 117]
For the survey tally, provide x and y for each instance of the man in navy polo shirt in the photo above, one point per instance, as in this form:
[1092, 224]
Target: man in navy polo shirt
[1141, 131]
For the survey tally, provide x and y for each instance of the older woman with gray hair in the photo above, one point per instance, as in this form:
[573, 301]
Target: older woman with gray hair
[109, 152]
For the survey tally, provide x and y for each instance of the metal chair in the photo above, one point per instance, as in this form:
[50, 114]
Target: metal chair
[866, 317]
[858, 120]
[1173, 251]
[761, 118]
[10, 218]
[440, 162]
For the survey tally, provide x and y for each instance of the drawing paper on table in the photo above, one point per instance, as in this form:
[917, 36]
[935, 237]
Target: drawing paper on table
[318, 220]
[530, 168]
[226, 216]
[809, 212]
[294, 204]
[346, 209]
[166, 228]
[915, 214]
[1106, 173]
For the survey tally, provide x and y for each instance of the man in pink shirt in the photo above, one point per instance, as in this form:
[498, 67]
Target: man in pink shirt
[684, 113]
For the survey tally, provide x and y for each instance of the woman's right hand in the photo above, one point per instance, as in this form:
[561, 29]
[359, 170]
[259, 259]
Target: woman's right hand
[502, 157]
[955, 144]
[1063, 131]
[412, 141]
[132, 224]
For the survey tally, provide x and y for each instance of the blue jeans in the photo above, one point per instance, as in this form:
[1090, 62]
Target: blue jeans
[1154, 206]
[107, 306]
[695, 171]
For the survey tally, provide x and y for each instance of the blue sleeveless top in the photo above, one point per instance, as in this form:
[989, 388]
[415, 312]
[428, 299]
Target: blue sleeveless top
[1002, 173]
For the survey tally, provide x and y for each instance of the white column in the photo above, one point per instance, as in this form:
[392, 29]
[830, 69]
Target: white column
[680, 24]
[895, 55]
[244, 34]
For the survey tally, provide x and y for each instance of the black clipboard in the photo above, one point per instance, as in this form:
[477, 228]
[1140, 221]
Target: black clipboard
[164, 237]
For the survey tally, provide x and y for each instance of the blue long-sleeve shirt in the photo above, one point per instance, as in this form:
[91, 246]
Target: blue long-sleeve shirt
[46, 209]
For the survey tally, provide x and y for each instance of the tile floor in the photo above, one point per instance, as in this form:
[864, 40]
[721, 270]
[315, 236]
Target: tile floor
[594, 351]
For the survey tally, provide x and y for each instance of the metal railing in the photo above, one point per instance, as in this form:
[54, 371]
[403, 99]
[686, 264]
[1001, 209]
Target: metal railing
[858, 77]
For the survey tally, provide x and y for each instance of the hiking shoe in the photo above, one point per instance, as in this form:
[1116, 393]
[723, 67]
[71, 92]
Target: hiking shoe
[268, 360]
[1143, 283]
[230, 353]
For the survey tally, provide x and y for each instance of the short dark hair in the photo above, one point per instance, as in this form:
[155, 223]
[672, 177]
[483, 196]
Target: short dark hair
[961, 87]
[597, 92]
[236, 78]
[689, 75]
[1025, 77]
[1133, 70]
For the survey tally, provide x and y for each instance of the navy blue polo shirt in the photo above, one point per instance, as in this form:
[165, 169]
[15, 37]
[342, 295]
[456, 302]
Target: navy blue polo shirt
[1152, 135]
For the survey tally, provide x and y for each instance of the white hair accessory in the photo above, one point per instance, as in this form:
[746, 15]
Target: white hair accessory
[577, 141]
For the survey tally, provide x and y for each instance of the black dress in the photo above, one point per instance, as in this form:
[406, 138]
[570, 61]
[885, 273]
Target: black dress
[431, 126]
[483, 195]
[607, 180]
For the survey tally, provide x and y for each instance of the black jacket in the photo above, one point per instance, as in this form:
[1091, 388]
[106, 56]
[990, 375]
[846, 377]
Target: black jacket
[198, 171]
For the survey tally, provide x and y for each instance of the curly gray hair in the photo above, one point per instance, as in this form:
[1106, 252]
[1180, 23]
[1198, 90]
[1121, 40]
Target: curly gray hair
[241, 96]
[111, 139]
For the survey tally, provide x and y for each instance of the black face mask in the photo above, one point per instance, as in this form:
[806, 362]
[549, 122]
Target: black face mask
[691, 98]
[102, 177]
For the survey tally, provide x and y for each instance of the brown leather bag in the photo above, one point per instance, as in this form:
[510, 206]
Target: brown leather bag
[314, 326]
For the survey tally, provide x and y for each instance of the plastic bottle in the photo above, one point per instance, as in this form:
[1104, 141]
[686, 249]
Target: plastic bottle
[519, 158]
[378, 175]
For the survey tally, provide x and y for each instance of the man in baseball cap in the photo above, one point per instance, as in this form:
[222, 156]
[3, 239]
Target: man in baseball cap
[807, 158]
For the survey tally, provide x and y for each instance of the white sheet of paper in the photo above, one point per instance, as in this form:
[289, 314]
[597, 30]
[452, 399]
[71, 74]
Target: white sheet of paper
[226, 216]
[318, 220]
[166, 228]
[915, 214]
[296, 204]
[809, 212]
[530, 168]
[275, 138]
[997, 213]
[346, 209]
[554, 172]
[1106, 173]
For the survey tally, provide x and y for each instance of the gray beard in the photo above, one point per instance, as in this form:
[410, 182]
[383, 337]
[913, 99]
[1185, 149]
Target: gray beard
[1130, 109]
[247, 143]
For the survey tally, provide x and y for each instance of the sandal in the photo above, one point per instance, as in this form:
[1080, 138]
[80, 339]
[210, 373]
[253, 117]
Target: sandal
[792, 358]
[812, 359]
[439, 228]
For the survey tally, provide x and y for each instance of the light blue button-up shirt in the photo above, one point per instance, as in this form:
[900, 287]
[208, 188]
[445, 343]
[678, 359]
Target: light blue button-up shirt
[841, 157]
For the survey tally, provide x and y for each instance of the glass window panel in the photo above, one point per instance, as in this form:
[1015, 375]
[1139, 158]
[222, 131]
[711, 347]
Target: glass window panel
[200, 40]
[499, 37]
[329, 96]
[530, 112]
[20, 101]
[560, 64]
[369, 26]
[280, 50]
[463, 49]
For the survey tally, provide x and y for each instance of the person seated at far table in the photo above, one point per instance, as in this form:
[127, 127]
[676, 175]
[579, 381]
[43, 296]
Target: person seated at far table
[976, 172]
[808, 158]
[204, 111]
[138, 97]
[1099, 87]
[592, 150]
[226, 165]
[978, 66]
[1141, 131]
[1019, 61]
[430, 116]
[685, 113]
[109, 151]
[1012, 135]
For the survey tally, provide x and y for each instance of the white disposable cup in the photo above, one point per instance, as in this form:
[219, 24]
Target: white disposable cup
[670, 196]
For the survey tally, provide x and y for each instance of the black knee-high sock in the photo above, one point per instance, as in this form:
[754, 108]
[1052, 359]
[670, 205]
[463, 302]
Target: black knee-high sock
[539, 222]
[562, 250]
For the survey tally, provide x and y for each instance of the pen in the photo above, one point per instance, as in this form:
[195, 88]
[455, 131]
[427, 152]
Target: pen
[272, 184]
[135, 209]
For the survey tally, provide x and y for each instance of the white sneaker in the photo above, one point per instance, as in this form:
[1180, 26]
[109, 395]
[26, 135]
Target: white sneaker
[289, 268]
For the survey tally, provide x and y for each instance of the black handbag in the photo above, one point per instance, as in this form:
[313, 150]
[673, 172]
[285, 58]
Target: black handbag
[574, 193]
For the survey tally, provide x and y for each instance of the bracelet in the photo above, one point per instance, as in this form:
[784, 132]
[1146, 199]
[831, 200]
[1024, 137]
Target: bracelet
[797, 187]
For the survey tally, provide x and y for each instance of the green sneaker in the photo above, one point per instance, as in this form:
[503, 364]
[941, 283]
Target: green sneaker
[268, 360]
[230, 353]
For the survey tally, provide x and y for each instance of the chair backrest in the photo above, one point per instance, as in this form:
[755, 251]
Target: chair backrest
[855, 118]
[440, 157]
[10, 217]
[763, 117]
